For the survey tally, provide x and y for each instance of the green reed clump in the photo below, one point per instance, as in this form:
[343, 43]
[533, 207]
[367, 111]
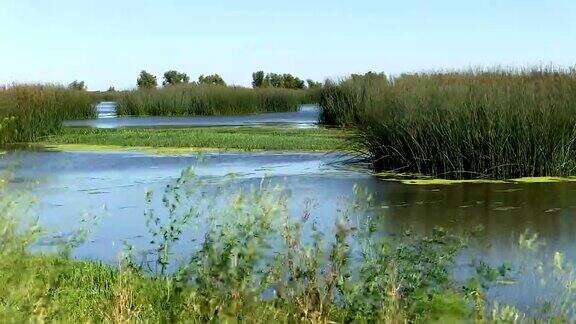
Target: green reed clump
[194, 99]
[28, 112]
[487, 123]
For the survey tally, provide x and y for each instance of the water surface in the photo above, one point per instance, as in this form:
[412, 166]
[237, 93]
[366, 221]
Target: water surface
[306, 116]
[108, 190]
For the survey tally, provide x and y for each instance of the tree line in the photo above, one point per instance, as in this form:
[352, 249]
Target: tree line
[259, 80]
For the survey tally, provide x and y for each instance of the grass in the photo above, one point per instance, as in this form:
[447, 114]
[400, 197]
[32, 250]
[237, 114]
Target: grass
[497, 124]
[227, 138]
[193, 99]
[28, 112]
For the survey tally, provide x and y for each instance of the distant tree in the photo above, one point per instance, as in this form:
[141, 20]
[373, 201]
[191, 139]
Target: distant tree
[369, 76]
[313, 84]
[111, 89]
[258, 79]
[146, 80]
[275, 80]
[173, 77]
[77, 85]
[211, 79]
[291, 82]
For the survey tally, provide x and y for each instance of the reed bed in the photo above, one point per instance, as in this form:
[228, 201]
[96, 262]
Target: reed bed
[499, 123]
[28, 112]
[193, 99]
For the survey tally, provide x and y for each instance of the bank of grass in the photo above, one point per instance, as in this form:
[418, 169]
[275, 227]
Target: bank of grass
[225, 138]
[498, 124]
[194, 99]
[28, 112]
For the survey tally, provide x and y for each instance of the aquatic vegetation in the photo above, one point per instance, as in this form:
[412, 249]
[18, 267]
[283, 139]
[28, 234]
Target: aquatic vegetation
[99, 96]
[204, 99]
[496, 123]
[194, 138]
[424, 181]
[28, 112]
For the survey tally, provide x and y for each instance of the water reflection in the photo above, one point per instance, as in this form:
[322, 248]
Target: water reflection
[306, 116]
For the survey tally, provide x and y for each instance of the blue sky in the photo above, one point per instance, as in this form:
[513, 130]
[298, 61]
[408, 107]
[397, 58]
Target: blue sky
[107, 42]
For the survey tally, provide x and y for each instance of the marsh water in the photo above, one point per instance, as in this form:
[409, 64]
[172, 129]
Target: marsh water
[105, 194]
[306, 116]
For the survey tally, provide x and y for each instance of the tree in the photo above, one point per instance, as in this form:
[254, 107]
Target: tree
[146, 80]
[313, 84]
[77, 85]
[111, 89]
[275, 80]
[291, 82]
[173, 77]
[211, 79]
[258, 79]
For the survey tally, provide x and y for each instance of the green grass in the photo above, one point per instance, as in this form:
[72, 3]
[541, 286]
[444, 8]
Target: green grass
[193, 99]
[232, 138]
[28, 112]
[496, 124]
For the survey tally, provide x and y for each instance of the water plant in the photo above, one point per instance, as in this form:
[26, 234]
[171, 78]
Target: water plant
[231, 138]
[487, 123]
[207, 99]
[28, 112]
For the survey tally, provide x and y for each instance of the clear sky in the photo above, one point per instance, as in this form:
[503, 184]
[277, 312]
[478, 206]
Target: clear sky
[107, 42]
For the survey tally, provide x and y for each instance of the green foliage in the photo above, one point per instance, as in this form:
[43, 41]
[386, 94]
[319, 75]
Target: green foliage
[486, 123]
[173, 77]
[213, 79]
[233, 138]
[291, 82]
[313, 84]
[274, 80]
[77, 85]
[258, 79]
[192, 99]
[146, 80]
[29, 112]
[109, 95]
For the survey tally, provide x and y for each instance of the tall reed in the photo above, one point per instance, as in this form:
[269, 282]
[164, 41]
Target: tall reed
[193, 99]
[499, 123]
[28, 112]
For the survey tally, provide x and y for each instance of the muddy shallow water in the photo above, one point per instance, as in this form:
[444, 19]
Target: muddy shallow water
[306, 116]
[107, 192]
